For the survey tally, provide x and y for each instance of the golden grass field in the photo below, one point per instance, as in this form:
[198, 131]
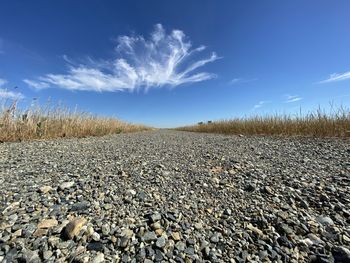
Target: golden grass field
[49, 122]
[335, 123]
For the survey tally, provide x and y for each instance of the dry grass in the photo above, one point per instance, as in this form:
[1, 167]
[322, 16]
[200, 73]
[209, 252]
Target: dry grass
[48, 122]
[335, 123]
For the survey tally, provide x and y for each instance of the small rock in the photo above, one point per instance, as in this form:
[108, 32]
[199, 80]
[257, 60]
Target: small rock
[47, 223]
[161, 242]
[155, 217]
[47, 254]
[96, 236]
[325, 220]
[73, 227]
[99, 258]
[149, 236]
[80, 206]
[45, 189]
[106, 229]
[176, 236]
[66, 185]
[95, 246]
[181, 246]
[215, 238]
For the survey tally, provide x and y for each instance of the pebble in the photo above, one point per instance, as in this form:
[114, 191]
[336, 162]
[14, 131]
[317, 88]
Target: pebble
[66, 185]
[47, 223]
[99, 258]
[73, 227]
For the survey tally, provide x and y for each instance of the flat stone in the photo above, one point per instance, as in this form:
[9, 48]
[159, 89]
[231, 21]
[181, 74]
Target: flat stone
[47, 223]
[80, 206]
[95, 246]
[325, 220]
[149, 236]
[176, 236]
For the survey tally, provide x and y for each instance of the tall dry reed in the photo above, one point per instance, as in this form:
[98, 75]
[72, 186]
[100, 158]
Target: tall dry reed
[320, 123]
[49, 121]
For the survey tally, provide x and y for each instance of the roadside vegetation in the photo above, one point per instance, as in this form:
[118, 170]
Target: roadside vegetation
[55, 121]
[320, 123]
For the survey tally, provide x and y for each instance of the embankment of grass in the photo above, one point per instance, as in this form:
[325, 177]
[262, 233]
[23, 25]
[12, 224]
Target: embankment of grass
[49, 122]
[335, 123]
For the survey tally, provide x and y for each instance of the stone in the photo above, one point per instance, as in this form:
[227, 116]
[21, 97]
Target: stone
[325, 220]
[65, 185]
[149, 236]
[106, 229]
[73, 228]
[96, 236]
[161, 241]
[155, 217]
[176, 236]
[95, 246]
[215, 238]
[341, 254]
[80, 206]
[47, 254]
[99, 258]
[47, 223]
[181, 246]
[45, 189]
[128, 233]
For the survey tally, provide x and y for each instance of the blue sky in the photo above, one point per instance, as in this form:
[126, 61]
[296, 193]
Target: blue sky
[171, 63]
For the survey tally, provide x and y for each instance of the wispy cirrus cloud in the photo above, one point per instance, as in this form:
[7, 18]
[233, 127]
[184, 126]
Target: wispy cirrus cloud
[36, 84]
[292, 98]
[241, 80]
[260, 104]
[164, 59]
[337, 77]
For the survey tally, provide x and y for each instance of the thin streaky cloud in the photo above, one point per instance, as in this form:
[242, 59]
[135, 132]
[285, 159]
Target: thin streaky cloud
[36, 84]
[260, 104]
[165, 59]
[292, 98]
[241, 80]
[337, 77]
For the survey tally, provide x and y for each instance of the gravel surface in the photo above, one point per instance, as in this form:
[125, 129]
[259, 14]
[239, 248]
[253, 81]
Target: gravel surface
[168, 196]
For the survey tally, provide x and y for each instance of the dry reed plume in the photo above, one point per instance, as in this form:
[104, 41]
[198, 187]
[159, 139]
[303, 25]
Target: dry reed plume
[335, 123]
[48, 122]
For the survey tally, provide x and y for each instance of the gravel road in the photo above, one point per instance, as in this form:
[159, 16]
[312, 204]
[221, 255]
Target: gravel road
[169, 196]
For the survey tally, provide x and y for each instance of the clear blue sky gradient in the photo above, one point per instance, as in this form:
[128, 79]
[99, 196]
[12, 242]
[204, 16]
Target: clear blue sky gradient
[268, 50]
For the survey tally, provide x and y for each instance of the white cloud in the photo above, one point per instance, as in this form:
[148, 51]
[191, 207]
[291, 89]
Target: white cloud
[6, 94]
[260, 104]
[292, 98]
[162, 60]
[241, 80]
[337, 77]
[36, 84]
